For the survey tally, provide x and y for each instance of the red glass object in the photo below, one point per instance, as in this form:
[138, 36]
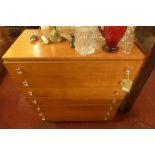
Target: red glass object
[112, 35]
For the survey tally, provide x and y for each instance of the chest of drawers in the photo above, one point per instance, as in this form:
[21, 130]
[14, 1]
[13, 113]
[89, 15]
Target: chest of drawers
[61, 85]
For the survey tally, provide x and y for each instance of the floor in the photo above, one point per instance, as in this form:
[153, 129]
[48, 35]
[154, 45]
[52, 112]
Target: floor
[15, 113]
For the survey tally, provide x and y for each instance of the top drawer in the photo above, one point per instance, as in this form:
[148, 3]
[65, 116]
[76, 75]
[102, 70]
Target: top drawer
[81, 69]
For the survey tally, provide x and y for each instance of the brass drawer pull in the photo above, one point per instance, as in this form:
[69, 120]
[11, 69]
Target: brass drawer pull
[40, 114]
[38, 108]
[116, 93]
[34, 102]
[30, 93]
[43, 119]
[19, 71]
[127, 71]
[126, 83]
[25, 84]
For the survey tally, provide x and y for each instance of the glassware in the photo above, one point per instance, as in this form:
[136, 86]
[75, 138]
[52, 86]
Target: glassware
[64, 28]
[85, 39]
[127, 42]
[45, 27]
[112, 35]
[99, 35]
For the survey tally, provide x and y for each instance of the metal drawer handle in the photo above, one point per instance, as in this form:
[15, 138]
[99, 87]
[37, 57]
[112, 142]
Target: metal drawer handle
[38, 108]
[127, 71]
[34, 102]
[43, 119]
[126, 85]
[19, 71]
[41, 114]
[116, 93]
[30, 93]
[25, 84]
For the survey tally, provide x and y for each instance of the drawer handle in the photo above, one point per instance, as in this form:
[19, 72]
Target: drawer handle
[34, 102]
[127, 71]
[25, 84]
[126, 85]
[116, 93]
[19, 71]
[43, 119]
[38, 108]
[40, 114]
[30, 93]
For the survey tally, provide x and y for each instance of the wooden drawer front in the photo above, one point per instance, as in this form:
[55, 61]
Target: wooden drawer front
[49, 102]
[72, 82]
[77, 113]
[74, 110]
[92, 73]
[74, 93]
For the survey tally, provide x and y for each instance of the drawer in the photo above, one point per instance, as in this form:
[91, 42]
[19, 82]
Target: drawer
[49, 102]
[77, 113]
[74, 93]
[70, 82]
[83, 70]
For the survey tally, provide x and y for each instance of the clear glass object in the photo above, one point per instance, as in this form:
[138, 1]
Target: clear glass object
[61, 28]
[127, 42]
[99, 35]
[85, 39]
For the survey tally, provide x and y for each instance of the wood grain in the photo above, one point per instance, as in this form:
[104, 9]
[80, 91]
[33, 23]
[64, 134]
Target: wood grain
[74, 93]
[67, 86]
[78, 113]
[72, 68]
[50, 102]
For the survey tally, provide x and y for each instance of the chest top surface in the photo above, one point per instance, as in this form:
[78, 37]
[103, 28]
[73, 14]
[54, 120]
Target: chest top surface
[22, 49]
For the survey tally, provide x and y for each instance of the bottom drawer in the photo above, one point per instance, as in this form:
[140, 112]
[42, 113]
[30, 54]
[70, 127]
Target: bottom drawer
[84, 113]
[48, 102]
[76, 112]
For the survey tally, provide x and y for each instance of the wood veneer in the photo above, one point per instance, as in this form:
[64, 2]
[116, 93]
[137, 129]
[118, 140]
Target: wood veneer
[67, 86]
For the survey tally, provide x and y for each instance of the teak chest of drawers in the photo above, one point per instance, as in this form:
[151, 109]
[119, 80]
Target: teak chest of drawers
[61, 85]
